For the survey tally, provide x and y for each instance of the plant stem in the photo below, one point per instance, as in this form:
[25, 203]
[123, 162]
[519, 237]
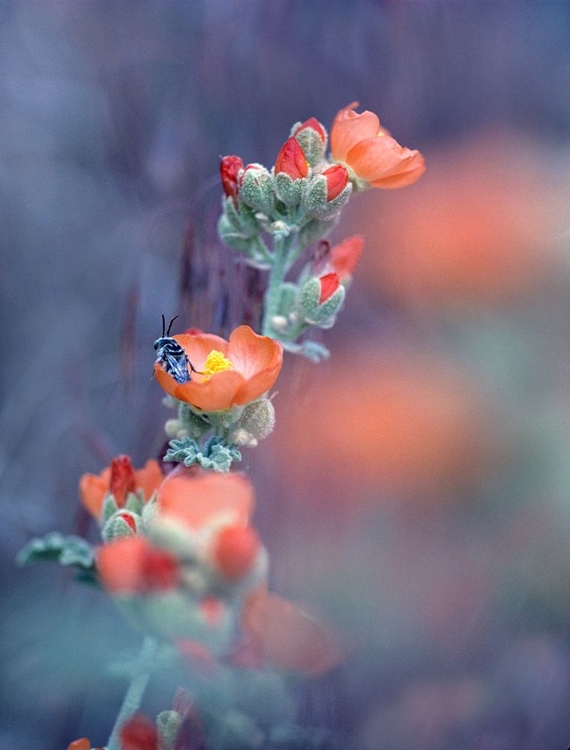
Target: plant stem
[277, 273]
[135, 691]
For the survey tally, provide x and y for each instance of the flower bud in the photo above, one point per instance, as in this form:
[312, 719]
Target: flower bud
[121, 524]
[337, 179]
[258, 418]
[235, 550]
[122, 479]
[327, 193]
[329, 285]
[168, 723]
[312, 137]
[230, 167]
[320, 299]
[291, 160]
[256, 189]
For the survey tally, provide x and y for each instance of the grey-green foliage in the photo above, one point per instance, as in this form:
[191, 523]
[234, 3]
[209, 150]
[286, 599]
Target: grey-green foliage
[214, 454]
[71, 551]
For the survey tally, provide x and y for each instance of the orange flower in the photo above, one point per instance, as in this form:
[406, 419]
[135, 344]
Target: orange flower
[235, 551]
[287, 636]
[139, 733]
[230, 373]
[119, 478]
[413, 426]
[358, 141]
[195, 497]
[346, 255]
[82, 744]
[132, 565]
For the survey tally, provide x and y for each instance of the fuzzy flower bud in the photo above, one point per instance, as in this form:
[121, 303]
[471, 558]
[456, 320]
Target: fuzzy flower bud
[312, 137]
[119, 525]
[291, 160]
[230, 167]
[258, 418]
[257, 188]
[168, 724]
[320, 299]
[235, 551]
[337, 179]
[328, 192]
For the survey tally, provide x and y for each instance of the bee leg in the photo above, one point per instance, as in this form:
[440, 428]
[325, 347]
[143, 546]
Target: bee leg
[193, 369]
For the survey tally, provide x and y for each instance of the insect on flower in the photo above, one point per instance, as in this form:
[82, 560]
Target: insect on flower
[171, 356]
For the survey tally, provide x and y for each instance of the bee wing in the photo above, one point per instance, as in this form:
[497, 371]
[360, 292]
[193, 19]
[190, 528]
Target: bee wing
[177, 367]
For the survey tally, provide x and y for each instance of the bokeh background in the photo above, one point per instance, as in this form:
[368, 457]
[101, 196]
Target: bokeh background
[416, 490]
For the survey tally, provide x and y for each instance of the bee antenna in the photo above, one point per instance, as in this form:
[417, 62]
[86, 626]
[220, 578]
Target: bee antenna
[163, 325]
[170, 326]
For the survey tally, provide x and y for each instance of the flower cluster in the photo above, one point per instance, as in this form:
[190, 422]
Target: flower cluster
[179, 554]
[272, 216]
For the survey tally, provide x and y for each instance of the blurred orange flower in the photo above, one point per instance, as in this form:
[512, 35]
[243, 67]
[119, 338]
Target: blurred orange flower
[119, 478]
[413, 424]
[132, 565]
[345, 256]
[473, 231]
[82, 744]
[287, 636]
[358, 141]
[231, 373]
[194, 497]
[139, 733]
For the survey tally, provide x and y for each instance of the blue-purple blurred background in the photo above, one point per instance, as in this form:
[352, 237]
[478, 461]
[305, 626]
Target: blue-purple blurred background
[417, 487]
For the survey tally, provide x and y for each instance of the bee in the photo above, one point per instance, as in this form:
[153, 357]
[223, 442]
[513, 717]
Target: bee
[171, 356]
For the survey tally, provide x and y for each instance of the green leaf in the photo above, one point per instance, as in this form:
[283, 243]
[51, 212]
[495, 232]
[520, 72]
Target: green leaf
[71, 551]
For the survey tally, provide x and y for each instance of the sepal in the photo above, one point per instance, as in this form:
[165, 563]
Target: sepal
[110, 507]
[316, 200]
[312, 137]
[121, 524]
[288, 190]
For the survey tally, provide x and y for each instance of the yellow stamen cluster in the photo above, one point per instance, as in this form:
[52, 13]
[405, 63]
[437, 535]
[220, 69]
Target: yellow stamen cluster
[215, 362]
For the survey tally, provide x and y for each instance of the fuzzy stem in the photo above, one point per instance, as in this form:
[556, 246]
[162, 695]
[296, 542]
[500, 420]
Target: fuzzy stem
[277, 274]
[135, 691]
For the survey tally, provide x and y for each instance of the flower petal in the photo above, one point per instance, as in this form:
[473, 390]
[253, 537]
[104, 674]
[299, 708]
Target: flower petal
[290, 638]
[349, 128]
[149, 477]
[251, 352]
[383, 163]
[195, 498]
[346, 255]
[93, 489]
[198, 346]
[216, 394]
